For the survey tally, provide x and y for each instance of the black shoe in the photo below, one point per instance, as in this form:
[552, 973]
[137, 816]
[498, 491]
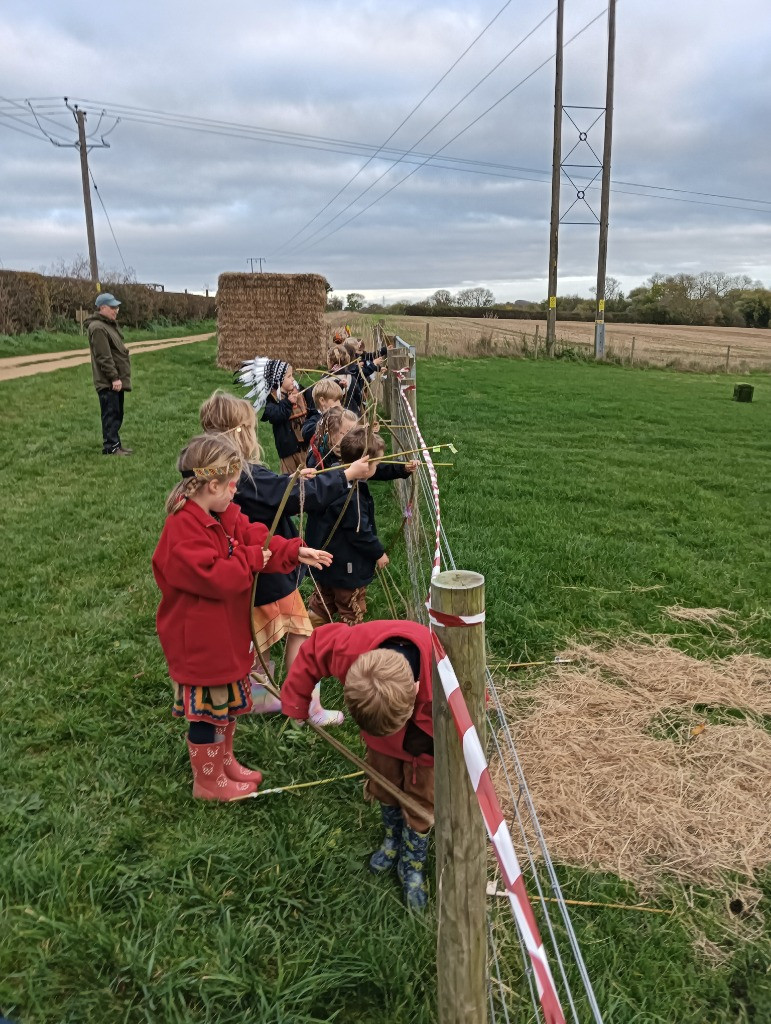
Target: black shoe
[119, 451]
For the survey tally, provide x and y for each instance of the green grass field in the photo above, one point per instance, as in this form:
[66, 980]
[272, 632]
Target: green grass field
[64, 341]
[122, 900]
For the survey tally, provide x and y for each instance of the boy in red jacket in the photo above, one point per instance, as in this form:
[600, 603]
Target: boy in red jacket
[204, 565]
[385, 670]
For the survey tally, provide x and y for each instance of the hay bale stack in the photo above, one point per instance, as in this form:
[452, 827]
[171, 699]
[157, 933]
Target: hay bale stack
[276, 315]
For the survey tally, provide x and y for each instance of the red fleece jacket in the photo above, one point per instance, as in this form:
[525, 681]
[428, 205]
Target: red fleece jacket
[332, 649]
[203, 618]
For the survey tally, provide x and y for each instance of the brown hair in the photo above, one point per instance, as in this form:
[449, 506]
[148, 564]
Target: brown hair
[331, 422]
[337, 356]
[328, 389]
[223, 413]
[360, 441]
[380, 692]
[215, 453]
[351, 346]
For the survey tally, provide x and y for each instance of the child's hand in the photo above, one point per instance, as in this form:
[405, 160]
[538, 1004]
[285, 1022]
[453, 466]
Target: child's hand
[307, 473]
[383, 561]
[266, 556]
[314, 557]
[293, 396]
[358, 470]
[410, 467]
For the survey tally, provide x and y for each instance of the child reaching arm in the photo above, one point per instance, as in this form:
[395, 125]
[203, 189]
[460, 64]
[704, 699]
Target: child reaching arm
[278, 607]
[204, 565]
[384, 668]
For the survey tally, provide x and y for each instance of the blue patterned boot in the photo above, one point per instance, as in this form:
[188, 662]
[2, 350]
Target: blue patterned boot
[411, 868]
[386, 857]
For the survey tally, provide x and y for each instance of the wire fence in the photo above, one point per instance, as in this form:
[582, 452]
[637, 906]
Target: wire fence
[705, 350]
[513, 987]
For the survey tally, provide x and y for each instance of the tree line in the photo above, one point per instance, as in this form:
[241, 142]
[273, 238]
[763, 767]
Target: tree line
[709, 299]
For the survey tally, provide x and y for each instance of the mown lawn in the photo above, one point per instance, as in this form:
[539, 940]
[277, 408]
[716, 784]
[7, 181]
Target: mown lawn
[123, 900]
[63, 341]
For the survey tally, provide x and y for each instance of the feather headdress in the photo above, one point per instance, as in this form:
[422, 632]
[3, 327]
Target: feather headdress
[261, 375]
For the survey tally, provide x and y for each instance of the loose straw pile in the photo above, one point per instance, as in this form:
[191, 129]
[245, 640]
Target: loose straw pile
[628, 776]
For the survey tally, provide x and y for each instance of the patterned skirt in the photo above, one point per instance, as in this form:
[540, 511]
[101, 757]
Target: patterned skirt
[273, 621]
[213, 704]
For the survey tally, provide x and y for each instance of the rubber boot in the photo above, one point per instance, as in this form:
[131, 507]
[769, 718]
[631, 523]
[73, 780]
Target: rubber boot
[235, 771]
[412, 866]
[209, 779]
[386, 858]
[321, 716]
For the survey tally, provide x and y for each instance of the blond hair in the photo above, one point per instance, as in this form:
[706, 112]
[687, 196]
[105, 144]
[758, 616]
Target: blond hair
[360, 441]
[213, 454]
[337, 356]
[223, 413]
[380, 692]
[327, 389]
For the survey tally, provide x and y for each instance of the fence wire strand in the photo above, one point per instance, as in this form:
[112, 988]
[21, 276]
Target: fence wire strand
[419, 525]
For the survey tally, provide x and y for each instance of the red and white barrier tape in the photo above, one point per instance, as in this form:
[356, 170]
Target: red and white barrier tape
[499, 834]
[479, 774]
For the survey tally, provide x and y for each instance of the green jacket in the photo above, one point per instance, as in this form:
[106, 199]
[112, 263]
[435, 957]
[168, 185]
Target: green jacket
[110, 358]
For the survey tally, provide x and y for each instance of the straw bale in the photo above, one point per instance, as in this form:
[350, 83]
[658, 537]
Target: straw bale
[629, 773]
[275, 315]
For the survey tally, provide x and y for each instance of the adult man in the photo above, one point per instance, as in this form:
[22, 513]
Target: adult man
[111, 366]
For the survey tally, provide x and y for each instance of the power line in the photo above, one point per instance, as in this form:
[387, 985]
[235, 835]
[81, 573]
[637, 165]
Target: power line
[355, 148]
[424, 136]
[380, 149]
[107, 216]
[458, 164]
[456, 136]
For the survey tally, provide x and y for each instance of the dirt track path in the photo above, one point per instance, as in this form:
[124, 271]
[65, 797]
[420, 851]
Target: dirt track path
[26, 366]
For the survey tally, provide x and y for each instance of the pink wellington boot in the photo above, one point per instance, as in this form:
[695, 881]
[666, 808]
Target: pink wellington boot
[320, 715]
[263, 702]
[235, 771]
[209, 779]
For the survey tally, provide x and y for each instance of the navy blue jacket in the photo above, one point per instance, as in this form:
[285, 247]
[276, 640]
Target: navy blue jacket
[259, 494]
[278, 413]
[354, 545]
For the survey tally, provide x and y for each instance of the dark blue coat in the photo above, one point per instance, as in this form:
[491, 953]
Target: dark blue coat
[354, 545]
[259, 494]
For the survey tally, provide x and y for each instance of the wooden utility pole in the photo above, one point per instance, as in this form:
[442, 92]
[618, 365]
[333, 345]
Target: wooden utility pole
[80, 116]
[556, 173]
[602, 258]
[461, 944]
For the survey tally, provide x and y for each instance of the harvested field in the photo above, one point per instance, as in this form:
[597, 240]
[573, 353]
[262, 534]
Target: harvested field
[678, 347]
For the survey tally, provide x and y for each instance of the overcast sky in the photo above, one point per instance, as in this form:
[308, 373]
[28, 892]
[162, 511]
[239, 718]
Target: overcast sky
[693, 109]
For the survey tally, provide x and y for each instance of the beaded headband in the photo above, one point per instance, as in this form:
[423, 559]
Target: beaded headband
[211, 472]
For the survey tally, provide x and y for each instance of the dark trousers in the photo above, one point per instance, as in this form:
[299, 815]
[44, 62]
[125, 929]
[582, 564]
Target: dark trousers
[111, 404]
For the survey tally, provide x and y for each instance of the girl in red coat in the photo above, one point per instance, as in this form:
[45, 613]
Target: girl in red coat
[385, 670]
[204, 565]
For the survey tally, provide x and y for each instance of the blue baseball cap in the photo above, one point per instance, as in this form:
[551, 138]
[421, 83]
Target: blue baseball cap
[105, 299]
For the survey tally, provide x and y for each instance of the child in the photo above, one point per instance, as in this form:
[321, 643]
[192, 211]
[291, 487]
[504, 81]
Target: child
[323, 447]
[275, 390]
[346, 371]
[385, 670]
[347, 528]
[278, 607]
[204, 564]
[325, 394]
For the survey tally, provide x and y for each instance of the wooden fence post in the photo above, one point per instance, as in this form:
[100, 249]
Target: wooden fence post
[631, 354]
[460, 831]
[727, 358]
[428, 338]
[535, 347]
